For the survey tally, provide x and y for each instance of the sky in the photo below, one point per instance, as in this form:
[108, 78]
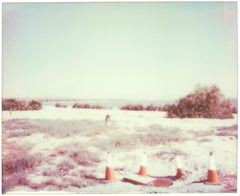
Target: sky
[118, 50]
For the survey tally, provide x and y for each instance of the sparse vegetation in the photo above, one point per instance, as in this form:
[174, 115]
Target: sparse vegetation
[54, 128]
[204, 102]
[87, 106]
[148, 136]
[84, 158]
[151, 108]
[132, 107]
[14, 105]
[228, 131]
[139, 107]
[16, 165]
[59, 105]
[71, 154]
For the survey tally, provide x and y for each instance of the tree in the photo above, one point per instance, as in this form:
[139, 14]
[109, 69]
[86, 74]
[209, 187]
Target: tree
[204, 102]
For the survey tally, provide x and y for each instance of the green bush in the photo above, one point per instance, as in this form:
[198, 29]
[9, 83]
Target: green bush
[151, 108]
[87, 106]
[132, 107]
[139, 107]
[59, 105]
[34, 105]
[14, 104]
[204, 102]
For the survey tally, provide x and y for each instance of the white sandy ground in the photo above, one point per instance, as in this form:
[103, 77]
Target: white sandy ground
[194, 157]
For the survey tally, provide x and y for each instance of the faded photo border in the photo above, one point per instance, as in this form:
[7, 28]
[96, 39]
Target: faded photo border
[119, 1]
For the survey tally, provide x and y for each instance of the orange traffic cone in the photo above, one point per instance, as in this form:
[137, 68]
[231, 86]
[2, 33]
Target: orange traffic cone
[109, 172]
[143, 171]
[212, 176]
[180, 170]
[143, 167]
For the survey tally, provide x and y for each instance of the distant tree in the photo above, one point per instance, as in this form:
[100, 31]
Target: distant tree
[234, 110]
[9, 104]
[58, 105]
[14, 104]
[132, 107]
[35, 105]
[151, 108]
[204, 102]
[76, 105]
[87, 106]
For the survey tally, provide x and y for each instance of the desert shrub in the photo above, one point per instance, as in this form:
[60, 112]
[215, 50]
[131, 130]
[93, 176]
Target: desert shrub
[132, 107]
[146, 136]
[161, 108]
[34, 105]
[204, 102]
[146, 139]
[155, 135]
[19, 133]
[59, 105]
[16, 165]
[14, 104]
[84, 179]
[8, 104]
[165, 108]
[76, 105]
[51, 172]
[83, 157]
[15, 124]
[54, 128]
[97, 106]
[16, 179]
[87, 106]
[234, 110]
[151, 108]
[65, 166]
[228, 131]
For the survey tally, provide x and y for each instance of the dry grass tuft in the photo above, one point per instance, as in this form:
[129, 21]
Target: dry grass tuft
[230, 183]
[84, 157]
[53, 128]
[149, 136]
[228, 131]
[19, 133]
[65, 166]
[16, 165]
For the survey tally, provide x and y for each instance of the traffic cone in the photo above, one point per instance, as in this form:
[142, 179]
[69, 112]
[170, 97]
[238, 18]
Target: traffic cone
[143, 167]
[109, 172]
[212, 176]
[180, 170]
[143, 171]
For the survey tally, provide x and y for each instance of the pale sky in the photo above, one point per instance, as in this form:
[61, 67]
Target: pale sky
[118, 50]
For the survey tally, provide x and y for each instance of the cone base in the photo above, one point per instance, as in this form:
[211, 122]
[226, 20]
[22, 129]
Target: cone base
[212, 183]
[212, 177]
[180, 173]
[109, 174]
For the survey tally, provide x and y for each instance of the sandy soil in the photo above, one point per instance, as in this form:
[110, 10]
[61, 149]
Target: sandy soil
[65, 149]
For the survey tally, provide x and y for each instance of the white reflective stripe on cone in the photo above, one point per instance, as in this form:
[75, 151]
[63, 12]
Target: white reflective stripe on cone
[109, 160]
[144, 160]
[212, 165]
[178, 162]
